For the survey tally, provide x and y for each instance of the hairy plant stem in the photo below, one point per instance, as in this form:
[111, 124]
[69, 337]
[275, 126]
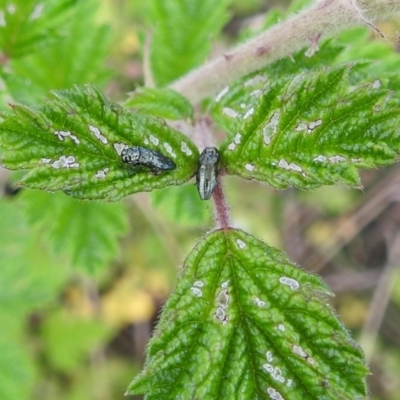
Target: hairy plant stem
[221, 208]
[323, 18]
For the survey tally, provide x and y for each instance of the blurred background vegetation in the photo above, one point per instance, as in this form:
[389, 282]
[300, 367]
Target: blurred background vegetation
[81, 284]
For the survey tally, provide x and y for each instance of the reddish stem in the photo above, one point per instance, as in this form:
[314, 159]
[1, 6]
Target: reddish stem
[221, 209]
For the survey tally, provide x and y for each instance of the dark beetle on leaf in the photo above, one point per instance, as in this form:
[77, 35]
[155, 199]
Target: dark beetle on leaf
[207, 172]
[152, 159]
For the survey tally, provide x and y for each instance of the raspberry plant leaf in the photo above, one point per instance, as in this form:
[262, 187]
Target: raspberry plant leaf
[244, 322]
[82, 49]
[74, 144]
[60, 219]
[28, 25]
[181, 32]
[164, 103]
[308, 130]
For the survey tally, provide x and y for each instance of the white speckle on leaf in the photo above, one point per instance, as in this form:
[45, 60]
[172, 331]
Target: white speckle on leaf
[198, 284]
[37, 11]
[274, 394]
[310, 360]
[249, 167]
[301, 127]
[185, 149]
[268, 367]
[46, 160]
[276, 373]
[63, 134]
[256, 93]
[237, 138]
[222, 305]
[314, 124]
[146, 141]
[320, 158]
[299, 351]
[289, 383]
[223, 298]
[71, 162]
[232, 146]
[283, 164]
[11, 8]
[259, 302]
[169, 150]
[255, 80]
[119, 147]
[154, 140]
[230, 112]
[243, 105]
[240, 243]
[97, 133]
[292, 166]
[65, 162]
[221, 316]
[196, 291]
[336, 159]
[75, 139]
[281, 327]
[269, 355]
[102, 174]
[248, 113]
[224, 285]
[221, 94]
[295, 167]
[292, 283]
[356, 160]
[271, 127]
[2, 19]
[376, 84]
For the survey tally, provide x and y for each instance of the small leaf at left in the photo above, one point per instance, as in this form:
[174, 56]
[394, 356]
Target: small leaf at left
[164, 103]
[74, 143]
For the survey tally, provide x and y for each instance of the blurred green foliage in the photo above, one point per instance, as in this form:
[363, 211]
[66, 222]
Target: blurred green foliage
[72, 273]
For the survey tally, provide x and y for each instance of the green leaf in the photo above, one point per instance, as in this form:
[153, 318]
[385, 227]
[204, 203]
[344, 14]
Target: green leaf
[27, 275]
[359, 45]
[244, 322]
[86, 234]
[4, 95]
[74, 144]
[68, 339]
[182, 205]
[164, 103]
[28, 280]
[76, 57]
[232, 101]
[274, 16]
[305, 60]
[17, 368]
[181, 35]
[27, 25]
[309, 130]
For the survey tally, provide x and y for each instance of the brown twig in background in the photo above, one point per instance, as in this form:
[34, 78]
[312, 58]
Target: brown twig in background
[381, 296]
[147, 74]
[322, 19]
[347, 227]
